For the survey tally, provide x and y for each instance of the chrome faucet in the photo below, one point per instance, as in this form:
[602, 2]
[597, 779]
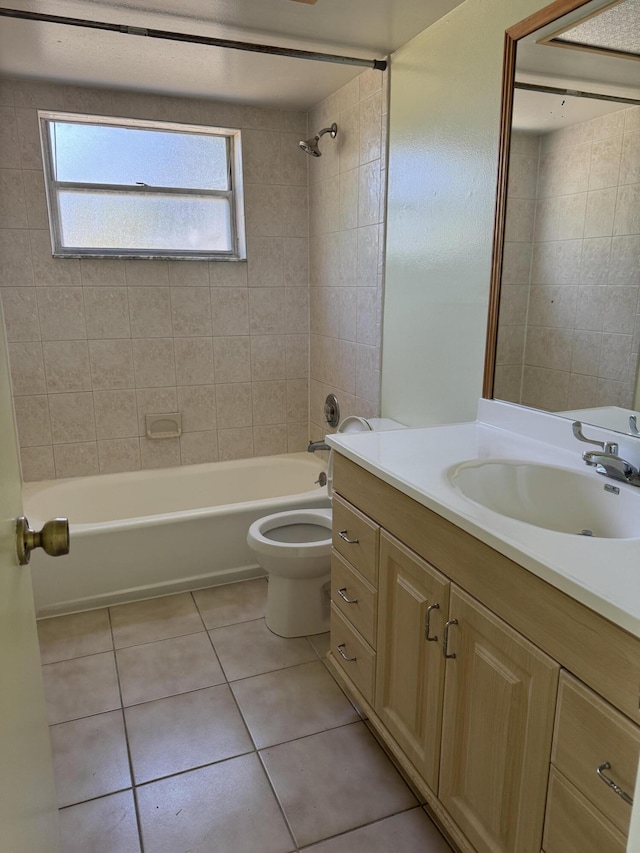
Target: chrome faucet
[612, 466]
[606, 460]
[317, 445]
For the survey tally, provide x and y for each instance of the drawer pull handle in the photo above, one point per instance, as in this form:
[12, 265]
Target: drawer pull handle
[445, 640]
[612, 784]
[343, 535]
[342, 654]
[427, 621]
[343, 595]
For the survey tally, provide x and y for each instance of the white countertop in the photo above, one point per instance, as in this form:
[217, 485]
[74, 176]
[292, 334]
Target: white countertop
[603, 574]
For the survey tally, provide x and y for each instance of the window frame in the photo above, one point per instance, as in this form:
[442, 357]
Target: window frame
[234, 194]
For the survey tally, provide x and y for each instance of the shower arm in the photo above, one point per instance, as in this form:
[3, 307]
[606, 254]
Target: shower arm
[333, 130]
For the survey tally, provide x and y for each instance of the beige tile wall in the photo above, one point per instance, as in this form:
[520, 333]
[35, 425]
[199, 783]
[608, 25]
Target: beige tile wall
[347, 193]
[96, 344]
[583, 324]
[516, 272]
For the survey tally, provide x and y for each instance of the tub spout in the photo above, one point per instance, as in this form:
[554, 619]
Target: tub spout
[317, 445]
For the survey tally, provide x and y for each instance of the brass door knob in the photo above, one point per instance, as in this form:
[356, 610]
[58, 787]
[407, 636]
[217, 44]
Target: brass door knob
[53, 538]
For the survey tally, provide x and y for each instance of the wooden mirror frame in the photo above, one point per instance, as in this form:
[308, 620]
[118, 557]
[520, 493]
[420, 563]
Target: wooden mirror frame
[529, 25]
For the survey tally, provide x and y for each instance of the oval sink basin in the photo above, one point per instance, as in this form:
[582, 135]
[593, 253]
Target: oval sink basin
[554, 498]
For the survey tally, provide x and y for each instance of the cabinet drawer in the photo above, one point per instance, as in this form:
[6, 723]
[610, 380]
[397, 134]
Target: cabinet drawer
[573, 825]
[588, 733]
[345, 639]
[356, 537]
[361, 608]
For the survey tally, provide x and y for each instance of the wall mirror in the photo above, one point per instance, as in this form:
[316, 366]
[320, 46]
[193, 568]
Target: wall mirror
[564, 319]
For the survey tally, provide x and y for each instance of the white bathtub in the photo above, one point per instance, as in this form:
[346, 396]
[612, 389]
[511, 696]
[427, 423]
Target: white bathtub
[146, 533]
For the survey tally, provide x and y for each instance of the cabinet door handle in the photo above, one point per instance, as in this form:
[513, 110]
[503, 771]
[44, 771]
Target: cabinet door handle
[445, 639]
[612, 784]
[427, 620]
[343, 535]
[342, 654]
[343, 595]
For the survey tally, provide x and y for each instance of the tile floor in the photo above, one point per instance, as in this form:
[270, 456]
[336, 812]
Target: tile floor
[183, 725]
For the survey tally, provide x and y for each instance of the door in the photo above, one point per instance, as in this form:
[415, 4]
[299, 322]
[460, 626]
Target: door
[500, 694]
[28, 811]
[414, 601]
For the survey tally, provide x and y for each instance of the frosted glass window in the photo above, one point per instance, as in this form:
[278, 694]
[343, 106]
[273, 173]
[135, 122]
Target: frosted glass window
[98, 154]
[127, 221]
[121, 187]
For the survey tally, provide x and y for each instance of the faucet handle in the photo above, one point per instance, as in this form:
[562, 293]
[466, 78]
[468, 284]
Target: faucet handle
[606, 446]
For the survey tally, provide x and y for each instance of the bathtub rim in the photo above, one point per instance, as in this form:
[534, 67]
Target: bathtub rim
[269, 505]
[39, 487]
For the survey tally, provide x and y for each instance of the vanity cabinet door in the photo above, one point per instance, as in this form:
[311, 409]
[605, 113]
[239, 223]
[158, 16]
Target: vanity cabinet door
[500, 693]
[410, 667]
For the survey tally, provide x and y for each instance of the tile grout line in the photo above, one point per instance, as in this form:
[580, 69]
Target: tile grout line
[362, 826]
[190, 770]
[277, 799]
[95, 799]
[208, 633]
[195, 604]
[126, 737]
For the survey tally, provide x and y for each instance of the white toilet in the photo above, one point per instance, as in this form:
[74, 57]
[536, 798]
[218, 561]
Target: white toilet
[295, 549]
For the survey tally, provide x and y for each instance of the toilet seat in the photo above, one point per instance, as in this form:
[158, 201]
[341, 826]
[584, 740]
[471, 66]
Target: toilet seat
[262, 544]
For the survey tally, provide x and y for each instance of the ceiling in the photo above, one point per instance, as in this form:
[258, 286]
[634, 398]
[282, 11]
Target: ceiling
[541, 112]
[580, 70]
[361, 28]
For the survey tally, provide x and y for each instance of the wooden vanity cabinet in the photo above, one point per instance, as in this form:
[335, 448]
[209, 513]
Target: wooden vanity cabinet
[473, 731]
[413, 601]
[496, 732]
[495, 718]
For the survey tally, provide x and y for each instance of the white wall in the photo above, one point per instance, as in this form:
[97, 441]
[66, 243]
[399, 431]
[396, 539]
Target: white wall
[444, 131]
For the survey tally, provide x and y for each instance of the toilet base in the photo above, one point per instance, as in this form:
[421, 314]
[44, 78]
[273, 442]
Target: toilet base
[298, 608]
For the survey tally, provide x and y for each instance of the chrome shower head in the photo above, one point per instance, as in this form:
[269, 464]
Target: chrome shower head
[310, 146]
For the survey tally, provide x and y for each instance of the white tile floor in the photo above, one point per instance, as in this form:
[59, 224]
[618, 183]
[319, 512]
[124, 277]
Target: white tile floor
[183, 725]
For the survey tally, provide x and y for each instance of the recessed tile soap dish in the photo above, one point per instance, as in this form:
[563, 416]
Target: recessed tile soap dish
[163, 425]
